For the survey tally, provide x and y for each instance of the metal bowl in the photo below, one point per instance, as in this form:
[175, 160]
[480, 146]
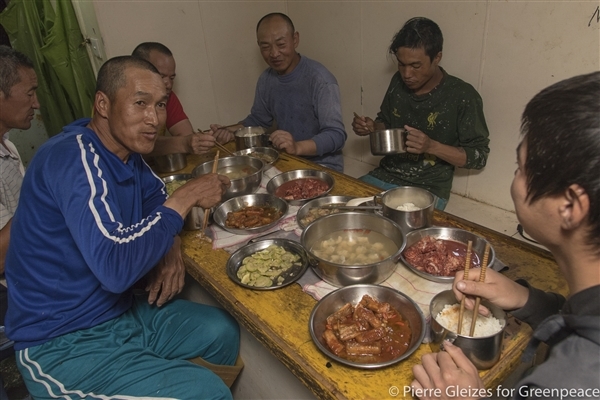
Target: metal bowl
[409, 220]
[237, 203]
[269, 152]
[484, 352]
[194, 219]
[170, 162]
[353, 294]
[246, 185]
[454, 234]
[290, 276]
[284, 177]
[389, 141]
[303, 212]
[345, 275]
[250, 136]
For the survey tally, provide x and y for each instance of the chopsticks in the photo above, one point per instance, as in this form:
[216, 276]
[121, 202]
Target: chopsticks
[225, 149]
[466, 276]
[223, 127]
[338, 207]
[207, 211]
[359, 117]
[486, 255]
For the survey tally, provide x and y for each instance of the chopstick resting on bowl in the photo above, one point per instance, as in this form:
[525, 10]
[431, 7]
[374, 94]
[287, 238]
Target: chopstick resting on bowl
[207, 211]
[466, 276]
[359, 117]
[486, 255]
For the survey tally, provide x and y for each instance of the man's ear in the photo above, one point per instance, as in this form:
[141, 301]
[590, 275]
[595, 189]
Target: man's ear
[101, 104]
[575, 207]
[296, 39]
[437, 58]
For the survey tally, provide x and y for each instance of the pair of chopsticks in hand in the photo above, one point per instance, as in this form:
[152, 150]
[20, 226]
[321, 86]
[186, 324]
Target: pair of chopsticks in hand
[217, 144]
[481, 279]
[359, 117]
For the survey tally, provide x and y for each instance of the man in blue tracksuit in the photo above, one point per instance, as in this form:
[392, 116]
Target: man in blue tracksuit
[92, 220]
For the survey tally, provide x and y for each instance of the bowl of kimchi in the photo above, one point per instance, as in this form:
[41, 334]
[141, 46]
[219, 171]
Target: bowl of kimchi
[367, 326]
[301, 185]
[437, 253]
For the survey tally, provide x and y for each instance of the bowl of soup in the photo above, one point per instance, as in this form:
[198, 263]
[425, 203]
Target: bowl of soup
[350, 248]
[346, 325]
[244, 172]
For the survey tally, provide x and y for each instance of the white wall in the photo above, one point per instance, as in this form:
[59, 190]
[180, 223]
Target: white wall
[508, 50]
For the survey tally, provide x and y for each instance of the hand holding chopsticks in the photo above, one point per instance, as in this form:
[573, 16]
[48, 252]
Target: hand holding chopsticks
[486, 255]
[362, 118]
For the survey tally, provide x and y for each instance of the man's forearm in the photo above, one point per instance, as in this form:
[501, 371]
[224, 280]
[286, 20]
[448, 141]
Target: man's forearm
[454, 155]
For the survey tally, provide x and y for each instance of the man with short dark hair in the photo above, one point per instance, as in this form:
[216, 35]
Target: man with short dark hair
[442, 114]
[556, 192]
[298, 94]
[184, 140]
[92, 220]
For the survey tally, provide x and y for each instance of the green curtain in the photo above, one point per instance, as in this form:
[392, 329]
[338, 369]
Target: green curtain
[52, 39]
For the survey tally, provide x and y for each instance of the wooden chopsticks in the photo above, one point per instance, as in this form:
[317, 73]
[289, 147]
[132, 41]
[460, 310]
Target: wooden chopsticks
[466, 276]
[207, 211]
[225, 149]
[359, 117]
[486, 255]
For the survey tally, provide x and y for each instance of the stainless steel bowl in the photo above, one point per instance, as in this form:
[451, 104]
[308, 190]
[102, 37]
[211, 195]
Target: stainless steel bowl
[290, 276]
[304, 211]
[484, 352]
[250, 136]
[344, 275]
[170, 162]
[388, 141]
[239, 202]
[269, 152]
[455, 234]
[284, 177]
[246, 185]
[194, 219]
[409, 220]
[353, 294]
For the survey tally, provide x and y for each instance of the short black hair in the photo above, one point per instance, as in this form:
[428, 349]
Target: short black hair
[111, 76]
[561, 129]
[143, 50]
[10, 62]
[287, 20]
[416, 33]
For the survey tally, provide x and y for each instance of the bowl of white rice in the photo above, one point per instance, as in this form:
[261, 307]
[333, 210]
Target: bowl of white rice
[484, 347]
[410, 207]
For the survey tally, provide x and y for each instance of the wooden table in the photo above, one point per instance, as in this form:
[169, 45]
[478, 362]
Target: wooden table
[279, 318]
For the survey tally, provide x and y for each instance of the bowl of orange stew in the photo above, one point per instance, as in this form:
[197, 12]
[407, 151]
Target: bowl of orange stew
[367, 326]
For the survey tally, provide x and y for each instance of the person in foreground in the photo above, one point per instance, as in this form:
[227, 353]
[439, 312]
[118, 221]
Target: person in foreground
[298, 94]
[442, 114]
[183, 139]
[556, 192]
[92, 220]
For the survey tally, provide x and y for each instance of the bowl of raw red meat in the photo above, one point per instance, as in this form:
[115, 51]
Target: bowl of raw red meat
[301, 185]
[437, 253]
[367, 326]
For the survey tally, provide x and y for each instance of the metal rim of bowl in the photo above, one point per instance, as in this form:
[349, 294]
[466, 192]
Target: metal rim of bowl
[195, 172]
[176, 177]
[232, 265]
[265, 150]
[300, 174]
[406, 354]
[249, 231]
[319, 201]
[435, 278]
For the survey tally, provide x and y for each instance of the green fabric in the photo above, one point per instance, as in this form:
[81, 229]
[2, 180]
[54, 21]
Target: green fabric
[53, 41]
[451, 114]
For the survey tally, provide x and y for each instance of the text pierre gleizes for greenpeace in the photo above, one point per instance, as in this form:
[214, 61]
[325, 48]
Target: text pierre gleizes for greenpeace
[500, 391]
